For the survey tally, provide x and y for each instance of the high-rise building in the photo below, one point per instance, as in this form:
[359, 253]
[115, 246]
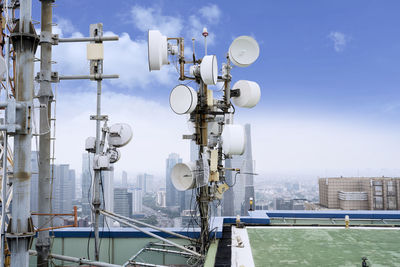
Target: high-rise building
[137, 200]
[161, 198]
[108, 189]
[63, 189]
[375, 193]
[124, 182]
[236, 199]
[248, 170]
[86, 183]
[121, 201]
[172, 195]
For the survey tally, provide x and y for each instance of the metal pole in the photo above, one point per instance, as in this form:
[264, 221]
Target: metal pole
[5, 147]
[96, 69]
[45, 95]
[150, 233]
[21, 232]
[97, 174]
[81, 261]
[89, 39]
[3, 196]
[150, 226]
[203, 196]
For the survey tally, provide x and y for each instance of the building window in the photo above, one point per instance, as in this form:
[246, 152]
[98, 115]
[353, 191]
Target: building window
[391, 189]
[378, 203]
[391, 203]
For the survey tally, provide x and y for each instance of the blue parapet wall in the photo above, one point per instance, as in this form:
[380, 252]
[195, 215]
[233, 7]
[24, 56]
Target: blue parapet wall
[120, 232]
[332, 214]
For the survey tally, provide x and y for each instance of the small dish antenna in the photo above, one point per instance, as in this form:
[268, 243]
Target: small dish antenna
[243, 51]
[157, 50]
[249, 94]
[119, 135]
[233, 139]
[182, 176]
[209, 70]
[183, 99]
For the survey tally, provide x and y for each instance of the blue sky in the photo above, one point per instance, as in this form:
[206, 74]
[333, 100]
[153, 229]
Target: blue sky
[328, 71]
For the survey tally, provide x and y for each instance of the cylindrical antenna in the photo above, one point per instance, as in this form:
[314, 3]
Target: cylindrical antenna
[205, 34]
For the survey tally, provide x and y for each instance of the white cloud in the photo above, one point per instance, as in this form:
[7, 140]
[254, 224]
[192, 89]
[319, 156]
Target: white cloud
[151, 18]
[211, 13]
[157, 131]
[295, 144]
[187, 27]
[64, 24]
[125, 57]
[339, 39]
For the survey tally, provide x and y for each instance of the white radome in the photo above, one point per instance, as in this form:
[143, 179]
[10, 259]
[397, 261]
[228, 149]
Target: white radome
[250, 94]
[183, 99]
[233, 139]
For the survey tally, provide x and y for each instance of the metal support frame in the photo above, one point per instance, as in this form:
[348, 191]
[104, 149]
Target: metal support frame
[45, 96]
[150, 226]
[80, 261]
[96, 68]
[124, 221]
[20, 229]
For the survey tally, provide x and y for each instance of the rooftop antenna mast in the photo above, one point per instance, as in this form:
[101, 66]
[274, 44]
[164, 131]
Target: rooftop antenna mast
[215, 134]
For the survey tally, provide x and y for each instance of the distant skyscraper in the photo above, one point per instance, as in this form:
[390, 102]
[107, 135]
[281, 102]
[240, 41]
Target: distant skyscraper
[249, 170]
[124, 179]
[63, 189]
[121, 201]
[172, 195]
[137, 200]
[236, 199]
[86, 182]
[72, 178]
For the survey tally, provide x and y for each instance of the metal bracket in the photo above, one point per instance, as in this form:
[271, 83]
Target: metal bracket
[55, 39]
[54, 78]
[101, 117]
[189, 136]
[46, 37]
[30, 234]
[235, 92]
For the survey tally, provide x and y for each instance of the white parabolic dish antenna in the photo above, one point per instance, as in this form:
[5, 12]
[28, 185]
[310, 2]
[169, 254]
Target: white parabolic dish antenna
[243, 51]
[233, 139]
[157, 50]
[119, 134]
[250, 94]
[183, 99]
[182, 176]
[209, 70]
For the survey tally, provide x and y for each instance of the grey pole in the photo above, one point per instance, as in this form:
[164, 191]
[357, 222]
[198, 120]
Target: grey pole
[3, 196]
[97, 174]
[96, 68]
[45, 96]
[21, 232]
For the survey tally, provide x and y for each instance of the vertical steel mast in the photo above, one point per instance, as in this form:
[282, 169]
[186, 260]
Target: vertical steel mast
[45, 96]
[96, 68]
[20, 231]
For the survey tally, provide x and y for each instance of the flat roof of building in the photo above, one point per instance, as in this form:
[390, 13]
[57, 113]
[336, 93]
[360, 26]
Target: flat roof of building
[324, 246]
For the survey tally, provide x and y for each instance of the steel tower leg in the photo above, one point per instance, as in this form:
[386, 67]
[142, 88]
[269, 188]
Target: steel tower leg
[45, 97]
[20, 233]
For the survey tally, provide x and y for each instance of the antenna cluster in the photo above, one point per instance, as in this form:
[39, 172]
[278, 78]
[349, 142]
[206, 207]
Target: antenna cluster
[215, 133]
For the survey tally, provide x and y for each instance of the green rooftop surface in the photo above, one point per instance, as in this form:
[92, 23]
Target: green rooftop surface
[291, 246]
